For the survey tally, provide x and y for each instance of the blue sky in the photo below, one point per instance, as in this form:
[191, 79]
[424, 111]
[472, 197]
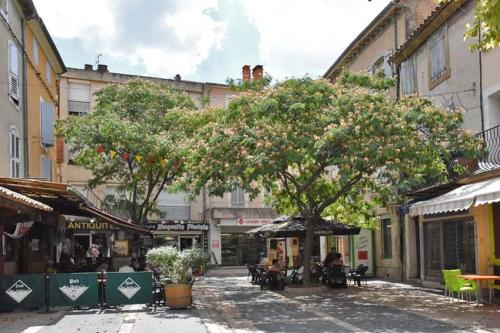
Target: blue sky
[206, 40]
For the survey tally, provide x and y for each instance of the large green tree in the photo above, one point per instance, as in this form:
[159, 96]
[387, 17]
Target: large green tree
[486, 24]
[137, 136]
[326, 148]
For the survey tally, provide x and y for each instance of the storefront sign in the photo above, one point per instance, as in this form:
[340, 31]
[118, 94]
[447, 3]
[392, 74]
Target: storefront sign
[80, 225]
[363, 249]
[177, 226]
[251, 222]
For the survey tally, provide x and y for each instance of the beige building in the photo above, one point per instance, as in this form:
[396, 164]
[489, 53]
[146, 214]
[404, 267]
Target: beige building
[12, 94]
[226, 218]
[370, 52]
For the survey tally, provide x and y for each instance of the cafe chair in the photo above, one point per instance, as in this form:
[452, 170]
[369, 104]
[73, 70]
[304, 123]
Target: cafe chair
[453, 284]
[358, 275]
[492, 286]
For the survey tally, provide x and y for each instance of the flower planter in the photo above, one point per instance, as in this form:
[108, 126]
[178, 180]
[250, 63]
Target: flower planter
[178, 296]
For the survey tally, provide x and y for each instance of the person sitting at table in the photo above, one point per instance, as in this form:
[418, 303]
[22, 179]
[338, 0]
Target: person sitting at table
[276, 278]
[102, 267]
[337, 272]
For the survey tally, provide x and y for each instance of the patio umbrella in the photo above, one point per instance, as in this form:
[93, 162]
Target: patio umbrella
[285, 226]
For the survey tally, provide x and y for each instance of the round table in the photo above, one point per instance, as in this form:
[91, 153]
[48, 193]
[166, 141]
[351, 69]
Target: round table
[479, 279]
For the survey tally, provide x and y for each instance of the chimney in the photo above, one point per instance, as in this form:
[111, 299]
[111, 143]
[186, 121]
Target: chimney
[88, 67]
[258, 72]
[177, 77]
[246, 73]
[102, 68]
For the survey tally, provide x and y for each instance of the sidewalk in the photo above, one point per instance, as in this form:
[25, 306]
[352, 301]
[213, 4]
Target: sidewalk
[23, 321]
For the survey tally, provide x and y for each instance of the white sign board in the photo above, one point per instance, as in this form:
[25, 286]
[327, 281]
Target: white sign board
[363, 250]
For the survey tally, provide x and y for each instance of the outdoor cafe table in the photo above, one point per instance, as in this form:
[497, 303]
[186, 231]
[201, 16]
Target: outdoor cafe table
[479, 279]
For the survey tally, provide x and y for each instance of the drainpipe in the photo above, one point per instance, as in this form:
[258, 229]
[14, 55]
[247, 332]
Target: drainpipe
[25, 105]
[59, 165]
[395, 24]
[481, 82]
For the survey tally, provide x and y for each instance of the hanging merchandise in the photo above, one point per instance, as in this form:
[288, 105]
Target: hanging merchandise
[21, 229]
[112, 153]
[138, 158]
[100, 150]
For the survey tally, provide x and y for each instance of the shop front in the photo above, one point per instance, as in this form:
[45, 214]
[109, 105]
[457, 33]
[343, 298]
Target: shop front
[458, 231]
[180, 234]
[228, 238]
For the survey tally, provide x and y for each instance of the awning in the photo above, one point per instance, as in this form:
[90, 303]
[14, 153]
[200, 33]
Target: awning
[461, 198]
[23, 200]
[115, 220]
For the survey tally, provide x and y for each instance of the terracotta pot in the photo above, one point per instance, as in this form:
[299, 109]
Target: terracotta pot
[178, 296]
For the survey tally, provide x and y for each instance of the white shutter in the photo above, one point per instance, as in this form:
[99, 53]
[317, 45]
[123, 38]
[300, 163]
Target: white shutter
[79, 92]
[387, 65]
[13, 72]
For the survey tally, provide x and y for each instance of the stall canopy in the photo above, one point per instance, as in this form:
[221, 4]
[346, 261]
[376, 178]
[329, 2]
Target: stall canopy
[65, 200]
[18, 198]
[461, 198]
[285, 226]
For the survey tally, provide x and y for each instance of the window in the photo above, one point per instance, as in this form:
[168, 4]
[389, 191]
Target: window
[78, 99]
[382, 64]
[386, 226]
[35, 51]
[15, 156]
[407, 74]
[47, 123]
[48, 72]
[4, 8]
[238, 198]
[13, 72]
[438, 60]
[46, 168]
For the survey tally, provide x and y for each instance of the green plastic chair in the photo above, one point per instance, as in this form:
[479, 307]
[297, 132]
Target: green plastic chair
[492, 286]
[454, 284]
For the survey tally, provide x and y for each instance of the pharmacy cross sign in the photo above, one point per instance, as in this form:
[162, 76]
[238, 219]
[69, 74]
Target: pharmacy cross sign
[19, 291]
[74, 289]
[129, 288]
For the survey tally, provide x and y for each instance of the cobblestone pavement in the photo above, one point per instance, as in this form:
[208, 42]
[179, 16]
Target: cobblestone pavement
[225, 301]
[228, 302]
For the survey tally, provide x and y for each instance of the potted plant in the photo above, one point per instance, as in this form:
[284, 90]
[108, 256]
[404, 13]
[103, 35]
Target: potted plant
[176, 272]
[199, 260]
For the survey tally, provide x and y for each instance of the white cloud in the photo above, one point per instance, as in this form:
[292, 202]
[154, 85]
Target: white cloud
[298, 37]
[176, 40]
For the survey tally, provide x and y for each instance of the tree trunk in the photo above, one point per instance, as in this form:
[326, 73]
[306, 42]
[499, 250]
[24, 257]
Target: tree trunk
[310, 224]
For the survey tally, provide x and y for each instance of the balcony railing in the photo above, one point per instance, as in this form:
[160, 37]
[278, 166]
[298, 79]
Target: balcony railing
[491, 160]
[78, 108]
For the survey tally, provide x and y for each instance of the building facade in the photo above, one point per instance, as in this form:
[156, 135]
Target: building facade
[371, 52]
[12, 94]
[216, 224]
[43, 67]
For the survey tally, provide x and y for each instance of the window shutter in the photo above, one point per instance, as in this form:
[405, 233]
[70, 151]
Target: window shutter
[35, 51]
[46, 171]
[13, 72]
[387, 65]
[47, 123]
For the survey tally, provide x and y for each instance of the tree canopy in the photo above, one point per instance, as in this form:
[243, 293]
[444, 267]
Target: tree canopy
[137, 136]
[326, 148]
[486, 24]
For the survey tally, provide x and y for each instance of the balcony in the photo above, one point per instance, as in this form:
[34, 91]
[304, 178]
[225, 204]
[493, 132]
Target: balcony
[490, 161]
[77, 108]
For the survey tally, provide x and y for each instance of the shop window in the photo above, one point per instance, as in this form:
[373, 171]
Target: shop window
[386, 228]
[449, 245]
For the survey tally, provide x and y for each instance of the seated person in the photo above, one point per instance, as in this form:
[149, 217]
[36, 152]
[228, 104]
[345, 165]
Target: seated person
[336, 271]
[102, 267]
[127, 268]
[275, 276]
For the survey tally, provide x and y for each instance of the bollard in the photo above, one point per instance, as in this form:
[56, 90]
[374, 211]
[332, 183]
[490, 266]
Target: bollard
[47, 292]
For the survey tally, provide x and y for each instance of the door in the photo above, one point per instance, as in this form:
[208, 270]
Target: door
[495, 234]
[81, 245]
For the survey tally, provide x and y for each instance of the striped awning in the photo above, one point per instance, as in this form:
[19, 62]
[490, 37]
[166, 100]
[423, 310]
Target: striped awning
[10, 195]
[461, 198]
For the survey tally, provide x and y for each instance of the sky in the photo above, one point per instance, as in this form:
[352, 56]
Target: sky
[206, 40]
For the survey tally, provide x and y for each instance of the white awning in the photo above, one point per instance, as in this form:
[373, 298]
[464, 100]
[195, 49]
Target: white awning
[461, 198]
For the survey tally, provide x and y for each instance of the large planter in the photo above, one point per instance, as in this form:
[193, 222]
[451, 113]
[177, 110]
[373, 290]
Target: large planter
[178, 296]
